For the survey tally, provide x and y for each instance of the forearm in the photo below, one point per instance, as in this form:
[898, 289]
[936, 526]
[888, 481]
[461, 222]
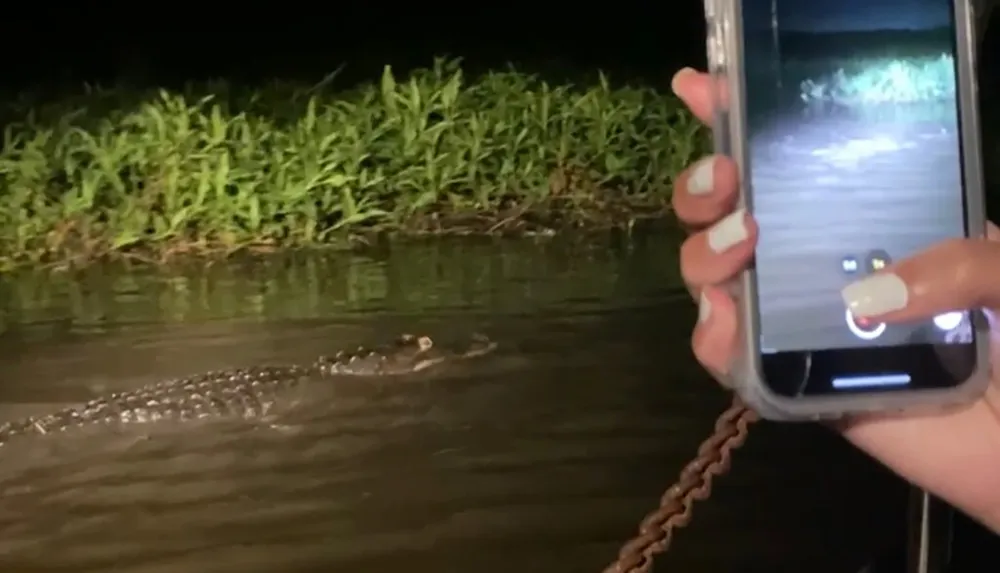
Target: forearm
[954, 456]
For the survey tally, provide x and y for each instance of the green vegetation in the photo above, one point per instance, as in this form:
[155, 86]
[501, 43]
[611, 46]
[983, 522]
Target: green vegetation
[876, 81]
[209, 170]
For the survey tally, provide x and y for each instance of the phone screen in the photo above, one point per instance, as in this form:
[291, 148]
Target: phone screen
[855, 159]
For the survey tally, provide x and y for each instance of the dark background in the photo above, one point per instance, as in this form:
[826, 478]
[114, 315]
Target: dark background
[52, 49]
[860, 15]
[171, 42]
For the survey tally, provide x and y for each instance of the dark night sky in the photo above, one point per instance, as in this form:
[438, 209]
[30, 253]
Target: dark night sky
[283, 40]
[837, 15]
[853, 15]
[637, 41]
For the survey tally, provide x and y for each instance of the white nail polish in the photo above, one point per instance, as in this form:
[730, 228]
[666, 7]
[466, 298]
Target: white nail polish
[702, 180]
[728, 232]
[875, 295]
[704, 308]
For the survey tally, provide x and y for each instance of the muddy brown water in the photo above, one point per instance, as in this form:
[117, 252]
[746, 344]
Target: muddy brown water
[541, 457]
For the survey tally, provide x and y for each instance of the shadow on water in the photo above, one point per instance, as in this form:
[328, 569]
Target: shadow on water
[541, 457]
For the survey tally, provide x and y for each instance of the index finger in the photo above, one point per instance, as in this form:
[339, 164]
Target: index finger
[961, 274]
[695, 90]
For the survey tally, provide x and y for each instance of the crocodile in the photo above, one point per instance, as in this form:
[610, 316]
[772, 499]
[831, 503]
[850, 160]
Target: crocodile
[244, 392]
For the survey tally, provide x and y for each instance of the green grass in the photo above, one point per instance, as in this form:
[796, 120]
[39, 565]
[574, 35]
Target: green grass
[212, 170]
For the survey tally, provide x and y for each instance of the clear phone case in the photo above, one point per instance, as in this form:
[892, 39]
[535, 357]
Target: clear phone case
[725, 61]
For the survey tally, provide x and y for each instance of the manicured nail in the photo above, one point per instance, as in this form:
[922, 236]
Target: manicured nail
[702, 179]
[704, 308]
[875, 295]
[680, 73]
[728, 232]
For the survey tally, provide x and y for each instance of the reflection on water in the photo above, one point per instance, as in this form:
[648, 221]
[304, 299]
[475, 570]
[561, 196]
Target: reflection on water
[540, 457]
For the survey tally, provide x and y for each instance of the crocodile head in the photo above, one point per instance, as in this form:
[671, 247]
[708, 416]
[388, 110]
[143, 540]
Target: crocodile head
[407, 354]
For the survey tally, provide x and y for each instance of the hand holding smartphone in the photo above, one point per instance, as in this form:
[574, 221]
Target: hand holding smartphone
[855, 129]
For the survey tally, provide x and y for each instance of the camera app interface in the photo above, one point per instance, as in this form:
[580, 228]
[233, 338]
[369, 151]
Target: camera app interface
[855, 159]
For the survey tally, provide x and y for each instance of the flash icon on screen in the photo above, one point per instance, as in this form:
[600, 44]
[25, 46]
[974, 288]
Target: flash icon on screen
[877, 260]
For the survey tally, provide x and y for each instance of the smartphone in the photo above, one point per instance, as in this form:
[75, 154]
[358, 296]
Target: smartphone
[855, 127]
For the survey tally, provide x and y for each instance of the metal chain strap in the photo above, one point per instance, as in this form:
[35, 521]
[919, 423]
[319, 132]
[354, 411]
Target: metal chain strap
[656, 531]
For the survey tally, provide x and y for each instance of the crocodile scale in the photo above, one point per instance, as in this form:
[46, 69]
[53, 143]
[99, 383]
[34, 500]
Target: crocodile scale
[240, 392]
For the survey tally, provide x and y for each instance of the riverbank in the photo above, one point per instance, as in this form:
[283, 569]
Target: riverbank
[213, 169]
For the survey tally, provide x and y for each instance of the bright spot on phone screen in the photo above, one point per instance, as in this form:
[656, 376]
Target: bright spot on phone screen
[949, 320]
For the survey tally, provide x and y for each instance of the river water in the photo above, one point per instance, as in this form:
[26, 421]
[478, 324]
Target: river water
[540, 457]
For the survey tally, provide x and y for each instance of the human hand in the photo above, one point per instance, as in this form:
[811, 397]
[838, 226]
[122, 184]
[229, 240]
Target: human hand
[955, 455]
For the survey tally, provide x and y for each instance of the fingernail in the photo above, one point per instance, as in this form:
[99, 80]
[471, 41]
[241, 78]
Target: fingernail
[728, 232]
[704, 308]
[875, 295]
[702, 179]
[680, 73]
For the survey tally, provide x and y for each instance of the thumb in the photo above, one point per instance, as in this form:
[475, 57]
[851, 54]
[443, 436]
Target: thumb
[956, 275]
